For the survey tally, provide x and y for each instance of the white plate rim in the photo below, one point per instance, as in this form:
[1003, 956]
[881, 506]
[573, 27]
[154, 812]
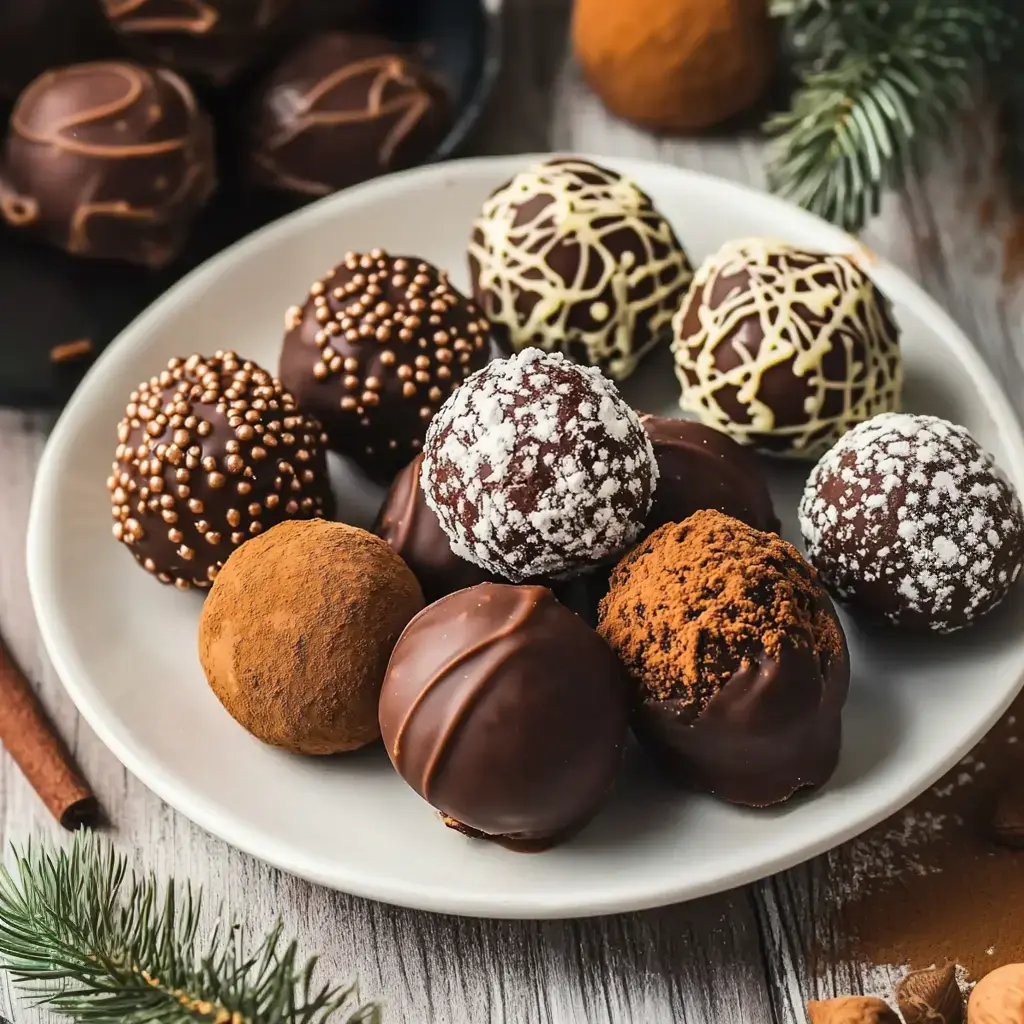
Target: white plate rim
[209, 816]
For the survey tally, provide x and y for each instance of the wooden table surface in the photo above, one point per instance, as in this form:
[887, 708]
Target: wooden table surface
[741, 956]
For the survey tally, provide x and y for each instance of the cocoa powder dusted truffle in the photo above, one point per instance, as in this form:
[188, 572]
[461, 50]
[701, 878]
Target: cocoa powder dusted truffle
[909, 519]
[574, 257]
[738, 658]
[211, 452]
[111, 160]
[536, 467]
[296, 634]
[378, 345]
[505, 711]
[785, 349]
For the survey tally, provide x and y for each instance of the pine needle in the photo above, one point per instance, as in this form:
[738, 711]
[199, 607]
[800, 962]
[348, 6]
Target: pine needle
[102, 945]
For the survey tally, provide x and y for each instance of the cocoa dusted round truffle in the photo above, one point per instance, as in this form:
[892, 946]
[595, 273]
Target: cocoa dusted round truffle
[211, 451]
[342, 108]
[214, 39]
[378, 345]
[738, 658]
[409, 525]
[785, 349]
[703, 468]
[573, 257]
[536, 467]
[296, 633]
[505, 711]
[909, 519]
[111, 160]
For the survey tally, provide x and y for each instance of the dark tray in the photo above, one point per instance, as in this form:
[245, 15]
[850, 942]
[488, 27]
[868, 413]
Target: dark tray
[48, 298]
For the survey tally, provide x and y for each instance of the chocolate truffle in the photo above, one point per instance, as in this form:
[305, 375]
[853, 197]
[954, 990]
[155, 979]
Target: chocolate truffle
[296, 633]
[110, 159]
[785, 349]
[739, 661]
[537, 467]
[212, 39]
[702, 468]
[409, 525]
[505, 711]
[211, 451]
[343, 108]
[909, 519]
[378, 345]
[574, 257]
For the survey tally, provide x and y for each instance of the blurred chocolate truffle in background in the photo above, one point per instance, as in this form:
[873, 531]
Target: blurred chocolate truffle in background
[342, 108]
[296, 634]
[212, 39]
[738, 659]
[211, 451]
[785, 349]
[508, 713]
[110, 160]
[373, 352]
[703, 468]
[572, 257]
[409, 525]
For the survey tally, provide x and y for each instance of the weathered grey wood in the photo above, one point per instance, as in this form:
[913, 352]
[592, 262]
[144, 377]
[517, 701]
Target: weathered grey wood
[741, 956]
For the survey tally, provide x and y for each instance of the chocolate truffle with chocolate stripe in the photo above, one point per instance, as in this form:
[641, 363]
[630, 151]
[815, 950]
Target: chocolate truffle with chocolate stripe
[111, 160]
[211, 451]
[785, 349]
[378, 345]
[572, 257]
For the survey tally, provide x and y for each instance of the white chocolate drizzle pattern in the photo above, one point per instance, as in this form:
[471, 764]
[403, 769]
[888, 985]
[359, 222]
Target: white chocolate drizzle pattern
[844, 361]
[573, 257]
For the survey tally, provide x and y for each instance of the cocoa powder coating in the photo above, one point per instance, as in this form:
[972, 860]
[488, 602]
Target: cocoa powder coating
[297, 630]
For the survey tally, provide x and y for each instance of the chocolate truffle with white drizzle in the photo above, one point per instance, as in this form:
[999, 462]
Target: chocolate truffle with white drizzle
[574, 257]
[785, 349]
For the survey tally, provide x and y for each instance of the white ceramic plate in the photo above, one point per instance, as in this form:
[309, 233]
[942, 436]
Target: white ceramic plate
[125, 646]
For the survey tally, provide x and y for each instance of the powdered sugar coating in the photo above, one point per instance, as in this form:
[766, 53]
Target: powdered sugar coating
[908, 517]
[537, 467]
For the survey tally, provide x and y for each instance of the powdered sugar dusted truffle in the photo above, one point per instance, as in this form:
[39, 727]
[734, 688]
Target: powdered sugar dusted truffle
[536, 467]
[907, 517]
[573, 257]
[785, 349]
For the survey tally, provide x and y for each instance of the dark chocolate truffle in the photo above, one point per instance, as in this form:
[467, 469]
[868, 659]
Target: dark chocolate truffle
[213, 39]
[343, 108]
[111, 160]
[739, 660]
[537, 467]
[573, 257]
[380, 342]
[505, 711]
[296, 633]
[409, 525]
[703, 468]
[909, 519]
[211, 451]
[785, 349]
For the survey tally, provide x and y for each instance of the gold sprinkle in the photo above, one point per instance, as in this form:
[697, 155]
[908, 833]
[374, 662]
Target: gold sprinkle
[408, 389]
[234, 517]
[213, 537]
[259, 452]
[234, 464]
[216, 480]
[196, 506]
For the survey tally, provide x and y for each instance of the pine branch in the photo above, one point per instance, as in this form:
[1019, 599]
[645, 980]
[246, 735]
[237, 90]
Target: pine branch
[103, 946]
[878, 78]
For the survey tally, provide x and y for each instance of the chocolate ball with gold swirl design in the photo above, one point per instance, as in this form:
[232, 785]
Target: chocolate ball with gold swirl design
[214, 39]
[211, 451]
[374, 350]
[785, 349]
[110, 159]
[342, 108]
[572, 257]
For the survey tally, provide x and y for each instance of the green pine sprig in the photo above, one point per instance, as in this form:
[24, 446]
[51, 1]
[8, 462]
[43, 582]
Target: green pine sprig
[102, 945]
[878, 78]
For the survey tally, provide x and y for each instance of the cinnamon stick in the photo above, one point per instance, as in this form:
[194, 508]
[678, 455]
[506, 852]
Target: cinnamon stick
[29, 737]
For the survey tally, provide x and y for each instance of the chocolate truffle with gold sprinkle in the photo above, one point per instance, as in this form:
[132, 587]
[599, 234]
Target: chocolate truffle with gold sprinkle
[379, 344]
[211, 451]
